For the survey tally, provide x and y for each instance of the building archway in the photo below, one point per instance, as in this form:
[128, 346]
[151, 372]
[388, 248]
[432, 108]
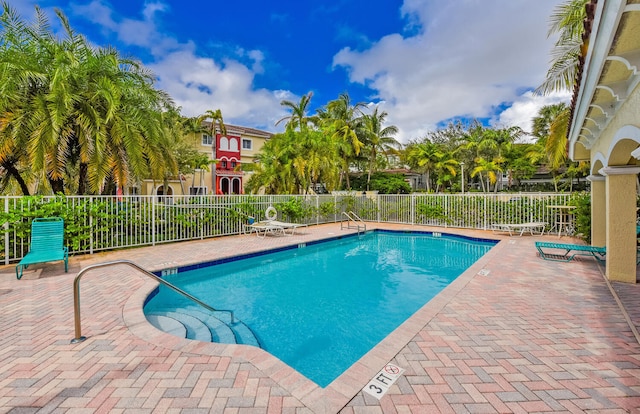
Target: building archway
[618, 199]
[236, 186]
[224, 185]
[164, 196]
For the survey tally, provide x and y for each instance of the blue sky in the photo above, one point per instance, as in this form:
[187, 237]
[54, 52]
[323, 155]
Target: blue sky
[425, 62]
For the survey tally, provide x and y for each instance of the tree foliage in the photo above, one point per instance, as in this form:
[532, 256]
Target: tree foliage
[384, 183]
[75, 117]
[566, 21]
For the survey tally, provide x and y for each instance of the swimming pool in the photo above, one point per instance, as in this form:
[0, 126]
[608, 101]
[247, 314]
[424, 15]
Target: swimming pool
[322, 306]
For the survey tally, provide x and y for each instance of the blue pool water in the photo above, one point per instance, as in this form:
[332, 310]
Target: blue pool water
[321, 307]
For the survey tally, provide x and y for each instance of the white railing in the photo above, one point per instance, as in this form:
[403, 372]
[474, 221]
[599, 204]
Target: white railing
[96, 223]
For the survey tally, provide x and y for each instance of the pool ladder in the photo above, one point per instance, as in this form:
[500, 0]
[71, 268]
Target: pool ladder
[352, 222]
[76, 293]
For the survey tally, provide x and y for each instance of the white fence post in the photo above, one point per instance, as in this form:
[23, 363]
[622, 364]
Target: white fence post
[153, 220]
[6, 234]
[413, 209]
[91, 227]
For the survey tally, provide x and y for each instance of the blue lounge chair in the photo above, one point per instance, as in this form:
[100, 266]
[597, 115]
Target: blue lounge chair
[47, 244]
[567, 252]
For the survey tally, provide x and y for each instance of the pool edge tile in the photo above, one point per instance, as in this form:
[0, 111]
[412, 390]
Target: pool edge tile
[339, 392]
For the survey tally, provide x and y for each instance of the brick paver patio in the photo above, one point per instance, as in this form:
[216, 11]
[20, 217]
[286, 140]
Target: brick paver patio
[513, 334]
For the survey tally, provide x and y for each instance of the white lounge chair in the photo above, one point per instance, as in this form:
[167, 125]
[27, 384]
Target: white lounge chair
[263, 227]
[537, 226]
[285, 226]
[271, 214]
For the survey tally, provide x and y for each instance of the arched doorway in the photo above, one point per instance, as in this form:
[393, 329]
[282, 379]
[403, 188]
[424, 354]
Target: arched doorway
[236, 186]
[224, 185]
[164, 196]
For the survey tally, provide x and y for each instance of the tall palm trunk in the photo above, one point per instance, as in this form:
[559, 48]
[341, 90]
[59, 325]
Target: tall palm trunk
[13, 172]
[82, 178]
[57, 185]
[371, 161]
[484, 190]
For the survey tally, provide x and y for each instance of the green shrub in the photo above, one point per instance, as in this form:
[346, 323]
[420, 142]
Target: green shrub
[383, 183]
[582, 215]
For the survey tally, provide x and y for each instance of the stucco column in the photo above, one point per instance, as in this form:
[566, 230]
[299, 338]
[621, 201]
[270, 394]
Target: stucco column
[621, 222]
[598, 210]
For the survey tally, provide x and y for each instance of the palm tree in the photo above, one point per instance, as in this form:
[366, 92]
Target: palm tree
[193, 125]
[201, 162]
[546, 116]
[298, 117]
[293, 162]
[217, 122]
[550, 127]
[423, 156]
[491, 169]
[342, 121]
[378, 139]
[567, 20]
[275, 171]
[446, 167]
[480, 144]
[556, 144]
[75, 111]
[504, 139]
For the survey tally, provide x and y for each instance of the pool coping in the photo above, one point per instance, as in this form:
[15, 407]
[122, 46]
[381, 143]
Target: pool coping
[344, 388]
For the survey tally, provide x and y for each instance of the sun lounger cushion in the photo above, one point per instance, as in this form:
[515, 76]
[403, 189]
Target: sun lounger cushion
[566, 252]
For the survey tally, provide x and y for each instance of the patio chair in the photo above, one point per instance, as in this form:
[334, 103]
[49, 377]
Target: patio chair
[286, 226]
[47, 244]
[532, 227]
[562, 252]
[271, 214]
[263, 228]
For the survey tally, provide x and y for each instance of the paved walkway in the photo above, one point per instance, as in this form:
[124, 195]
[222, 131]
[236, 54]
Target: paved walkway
[512, 334]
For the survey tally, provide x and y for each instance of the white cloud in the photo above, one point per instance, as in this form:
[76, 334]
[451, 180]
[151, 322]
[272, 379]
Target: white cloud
[467, 57]
[196, 83]
[525, 108]
[25, 8]
[143, 32]
[461, 58]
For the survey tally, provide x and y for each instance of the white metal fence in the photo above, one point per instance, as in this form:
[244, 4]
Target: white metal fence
[95, 223]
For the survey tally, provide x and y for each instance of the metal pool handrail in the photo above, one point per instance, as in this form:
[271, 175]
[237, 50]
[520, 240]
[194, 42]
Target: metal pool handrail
[351, 216]
[76, 294]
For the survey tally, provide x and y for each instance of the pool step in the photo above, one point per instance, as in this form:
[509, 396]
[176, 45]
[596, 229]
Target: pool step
[193, 323]
[241, 332]
[194, 327]
[167, 324]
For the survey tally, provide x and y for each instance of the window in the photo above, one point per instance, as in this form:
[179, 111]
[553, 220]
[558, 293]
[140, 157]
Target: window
[233, 145]
[233, 164]
[223, 164]
[247, 144]
[224, 143]
[207, 139]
